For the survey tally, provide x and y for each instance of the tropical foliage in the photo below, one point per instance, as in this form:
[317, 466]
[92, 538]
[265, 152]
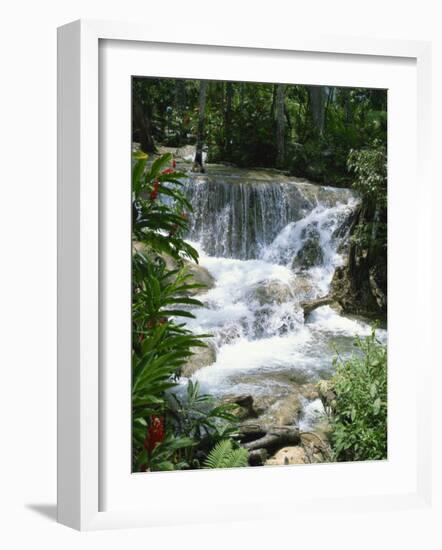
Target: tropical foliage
[224, 455]
[168, 432]
[306, 130]
[358, 408]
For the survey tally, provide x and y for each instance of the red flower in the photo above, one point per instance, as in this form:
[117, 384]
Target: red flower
[154, 434]
[168, 171]
[154, 192]
[173, 163]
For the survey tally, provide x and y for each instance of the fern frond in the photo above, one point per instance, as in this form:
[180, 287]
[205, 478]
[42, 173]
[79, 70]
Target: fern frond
[223, 455]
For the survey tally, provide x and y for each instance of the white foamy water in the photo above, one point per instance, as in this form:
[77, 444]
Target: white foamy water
[253, 311]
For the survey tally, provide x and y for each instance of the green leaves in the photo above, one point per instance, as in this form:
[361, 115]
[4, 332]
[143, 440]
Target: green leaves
[160, 208]
[359, 415]
[223, 455]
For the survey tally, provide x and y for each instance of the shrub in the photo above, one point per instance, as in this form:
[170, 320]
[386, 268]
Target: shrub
[359, 408]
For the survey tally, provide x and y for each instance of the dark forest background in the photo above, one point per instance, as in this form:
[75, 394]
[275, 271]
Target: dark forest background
[307, 131]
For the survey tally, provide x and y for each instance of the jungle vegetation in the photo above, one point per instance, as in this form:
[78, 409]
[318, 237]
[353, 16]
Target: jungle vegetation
[334, 136]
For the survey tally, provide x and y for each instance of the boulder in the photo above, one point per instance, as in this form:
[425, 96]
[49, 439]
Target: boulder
[288, 455]
[310, 254]
[316, 447]
[309, 391]
[199, 274]
[302, 287]
[243, 406]
[202, 357]
[283, 412]
[270, 292]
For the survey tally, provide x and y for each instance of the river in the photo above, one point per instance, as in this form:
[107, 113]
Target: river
[270, 242]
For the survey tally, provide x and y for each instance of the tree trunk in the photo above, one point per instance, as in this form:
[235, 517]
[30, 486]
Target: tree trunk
[310, 305]
[347, 108]
[317, 107]
[142, 130]
[374, 230]
[328, 102]
[276, 438]
[228, 120]
[280, 125]
[180, 105]
[198, 164]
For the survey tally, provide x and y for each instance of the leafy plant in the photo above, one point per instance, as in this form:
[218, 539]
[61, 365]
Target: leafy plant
[161, 345]
[359, 409]
[159, 207]
[224, 455]
[196, 416]
[370, 168]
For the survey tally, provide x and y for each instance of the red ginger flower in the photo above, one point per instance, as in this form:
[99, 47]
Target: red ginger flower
[173, 163]
[154, 192]
[154, 434]
[168, 171]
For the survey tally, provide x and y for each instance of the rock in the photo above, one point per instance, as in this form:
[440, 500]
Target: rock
[311, 253]
[288, 455]
[302, 287]
[202, 357]
[283, 412]
[270, 292]
[228, 334]
[199, 274]
[316, 447]
[258, 457]
[309, 391]
[326, 394]
[244, 406]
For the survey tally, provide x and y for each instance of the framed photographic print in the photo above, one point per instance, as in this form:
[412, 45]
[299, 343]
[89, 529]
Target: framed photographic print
[232, 277]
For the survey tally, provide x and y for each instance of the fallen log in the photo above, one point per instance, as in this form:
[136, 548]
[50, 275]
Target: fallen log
[310, 305]
[275, 438]
[251, 432]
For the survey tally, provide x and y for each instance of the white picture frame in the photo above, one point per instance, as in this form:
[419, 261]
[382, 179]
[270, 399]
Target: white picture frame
[80, 423]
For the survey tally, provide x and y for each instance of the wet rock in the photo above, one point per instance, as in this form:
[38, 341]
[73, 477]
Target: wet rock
[288, 455]
[316, 448]
[270, 292]
[244, 407]
[302, 287]
[326, 394]
[309, 391]
[281, 412]
[311, 253]
[202, 357]
[228, 334]
[199, 274]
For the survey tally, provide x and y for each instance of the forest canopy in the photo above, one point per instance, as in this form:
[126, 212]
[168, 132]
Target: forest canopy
[307, 131]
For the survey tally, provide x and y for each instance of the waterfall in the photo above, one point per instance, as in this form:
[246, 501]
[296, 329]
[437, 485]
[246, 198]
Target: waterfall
[238, 219]
[270, 242]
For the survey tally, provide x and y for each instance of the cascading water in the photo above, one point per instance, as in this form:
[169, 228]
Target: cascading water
[269, 243]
